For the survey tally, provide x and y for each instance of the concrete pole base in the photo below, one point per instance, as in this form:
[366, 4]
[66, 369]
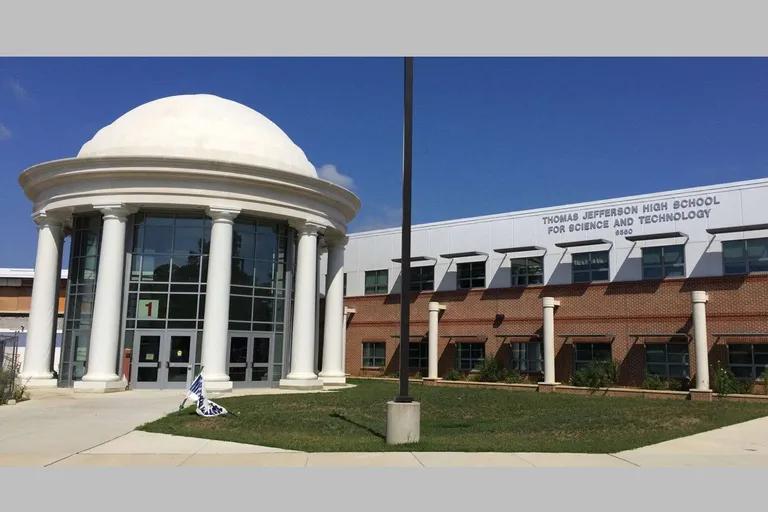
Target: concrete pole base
[701, 395]
[547, 387]
[403, 422]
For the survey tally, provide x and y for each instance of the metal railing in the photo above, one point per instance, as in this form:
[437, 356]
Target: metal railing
[10, 365]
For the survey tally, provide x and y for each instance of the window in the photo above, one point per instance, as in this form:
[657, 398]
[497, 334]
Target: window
[471, 275]
[589, 352]
[668, 360]
[418, 355]
[745, 256]
[345, 284]
[374, 354]
[527, 271]
[469, 355]
[528, 357]
[376, 281]
[748, 361]
[590, 266]
[661, 262]
[422, 279]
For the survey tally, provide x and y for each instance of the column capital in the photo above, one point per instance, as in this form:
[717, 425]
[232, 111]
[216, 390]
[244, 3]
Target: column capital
[436, 306]
[349, 311]
[115, 210]
[44, 218]
[307, 228]
[699, 296]
[221, 214]
[335, 239]
[550, 302]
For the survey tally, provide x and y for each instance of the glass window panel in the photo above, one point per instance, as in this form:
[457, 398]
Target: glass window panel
[242, 272]
[600, 275]
[87, 268]
[739, 354]
[152, 306]
[238, 349]
[263, 271]
[239, 308]
[146, 374]
[182, 306]
[278, 355]
[580, 260]
[180, 345]
[259, 374]
[186, 268]
[149, 349]
[266, 247]
[260, 350]
[237, 373]
[655, 354]
[654, 272]
[678, 371]
[263, 310]
[656, 369]
[158, 239]
[581, 277]
[673, 254]
[651, 256]
[188, 240]
[155, 267]
[675, 271]
[735, 267]
[243, 244]
[135, 267]
[601, 351]
[742, 372]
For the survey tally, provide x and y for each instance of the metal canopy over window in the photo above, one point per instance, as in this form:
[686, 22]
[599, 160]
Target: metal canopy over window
[588, 338]
[656, 236]
[580, 243]
[465, 338]
[741, 338]
[661, 338]
[520, 248]
[467, 254]
[736, 229]
[416, 259]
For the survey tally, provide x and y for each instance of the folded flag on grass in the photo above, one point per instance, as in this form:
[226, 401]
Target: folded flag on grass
[205, 407]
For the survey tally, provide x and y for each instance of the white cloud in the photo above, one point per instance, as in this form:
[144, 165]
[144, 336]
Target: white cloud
[331, 173]
[17, 89]
[5, 132]
[384, 217]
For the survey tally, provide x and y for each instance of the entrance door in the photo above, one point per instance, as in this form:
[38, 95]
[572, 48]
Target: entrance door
[163, 359]
[250, 358]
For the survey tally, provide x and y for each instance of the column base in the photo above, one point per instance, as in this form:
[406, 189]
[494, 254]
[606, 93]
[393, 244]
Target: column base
[430, 381]
[37, 383]
[701, 395]
[403, 422]
[100, 386]
[333, 380]
[303, 384]
[217, 386]
[547, 387]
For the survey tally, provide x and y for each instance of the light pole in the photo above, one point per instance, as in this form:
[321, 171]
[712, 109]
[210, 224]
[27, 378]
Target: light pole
[403, 414]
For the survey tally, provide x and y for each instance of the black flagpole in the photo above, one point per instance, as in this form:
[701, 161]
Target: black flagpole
[405, 256]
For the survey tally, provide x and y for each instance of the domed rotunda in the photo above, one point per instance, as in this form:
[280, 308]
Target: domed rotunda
[196, 226]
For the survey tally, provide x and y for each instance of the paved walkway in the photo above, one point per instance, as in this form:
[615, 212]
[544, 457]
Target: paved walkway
[63, 429]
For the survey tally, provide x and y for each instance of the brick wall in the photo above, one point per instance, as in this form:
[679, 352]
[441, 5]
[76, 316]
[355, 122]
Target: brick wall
[736, 304]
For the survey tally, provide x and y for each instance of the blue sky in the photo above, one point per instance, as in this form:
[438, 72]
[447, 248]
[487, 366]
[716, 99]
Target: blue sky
[491, 134]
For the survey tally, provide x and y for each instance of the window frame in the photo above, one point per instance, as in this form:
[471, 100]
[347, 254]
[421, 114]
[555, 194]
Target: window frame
[755, 375]
[470, 348]
[470, 265]
[581, 363]
[520, 353]
[662, 265]
[378, 286]
[667, 364]
[374, 357]
[745, 260]
[591, 267]
[528, 274]
[422, 356]
[419, 283]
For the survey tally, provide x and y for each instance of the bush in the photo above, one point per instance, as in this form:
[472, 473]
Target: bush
[598, 374]
[724, 382]
[764, 376]
[515, 377]
[453, 374]
[491, 370]
[672, 384]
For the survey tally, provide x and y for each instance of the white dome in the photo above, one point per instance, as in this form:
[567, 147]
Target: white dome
[200, 126]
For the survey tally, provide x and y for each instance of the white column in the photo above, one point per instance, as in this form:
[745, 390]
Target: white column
[699, 299]
[302, 373]
[216, 315]
[549, 304]
[333, 340]
[37, 371]
[347, 313]
[101, 375]
[434, 316]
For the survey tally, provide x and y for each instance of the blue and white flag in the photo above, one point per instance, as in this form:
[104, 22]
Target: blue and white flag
[205, 407]
[209, 409]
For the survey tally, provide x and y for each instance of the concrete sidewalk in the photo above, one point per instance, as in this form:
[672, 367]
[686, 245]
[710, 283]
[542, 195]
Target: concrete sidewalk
[62, 430]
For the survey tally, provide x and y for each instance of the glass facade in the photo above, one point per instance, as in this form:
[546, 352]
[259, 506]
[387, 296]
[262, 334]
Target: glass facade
[526, 271]
[422, 279]
[590, 266]
[81, 291]
[164, 305]
[745, 256]
[471, 274]
[376, 281]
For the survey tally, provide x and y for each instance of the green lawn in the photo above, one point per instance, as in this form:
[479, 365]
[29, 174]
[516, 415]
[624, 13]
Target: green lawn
[456, 419]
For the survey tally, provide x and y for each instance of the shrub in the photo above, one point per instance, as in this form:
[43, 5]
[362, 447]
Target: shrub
[453, 374]
[491, 370]
[671, 384]
[764, 377]
[515, 377]
[724, 382]
[598, 374]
